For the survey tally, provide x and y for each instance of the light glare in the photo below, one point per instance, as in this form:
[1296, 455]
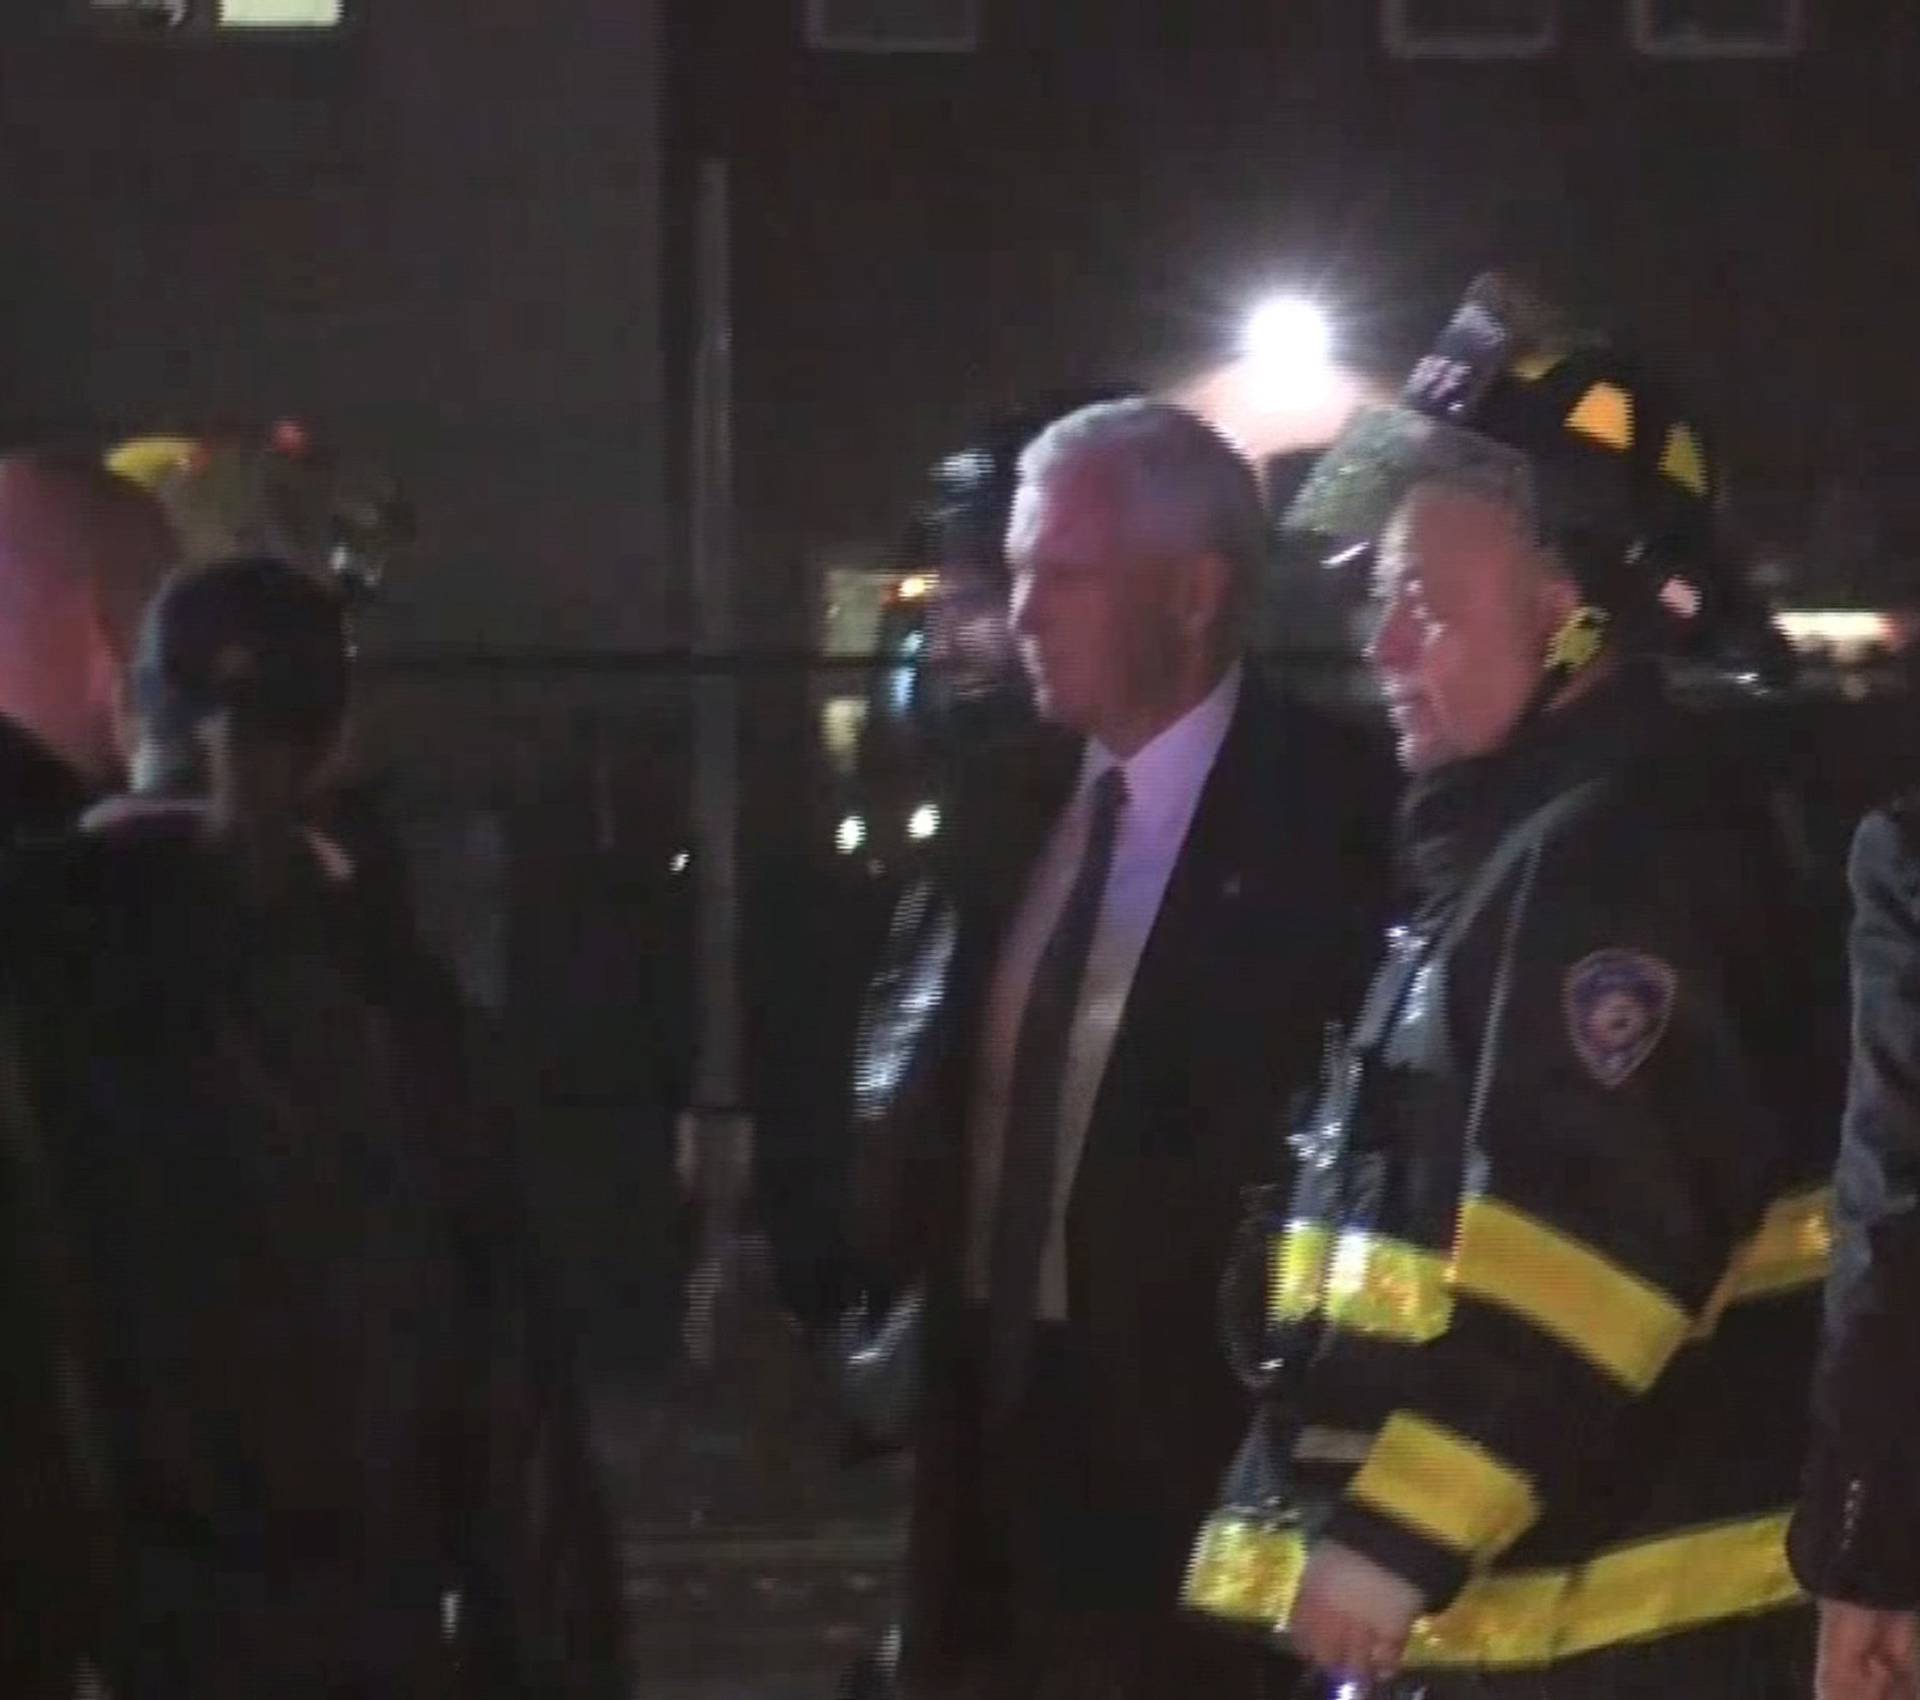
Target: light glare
[1289, 352]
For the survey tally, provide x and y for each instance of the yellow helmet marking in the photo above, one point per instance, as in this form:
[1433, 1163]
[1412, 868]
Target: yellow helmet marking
[1684, 461]
[147, 460]
[1605, 414]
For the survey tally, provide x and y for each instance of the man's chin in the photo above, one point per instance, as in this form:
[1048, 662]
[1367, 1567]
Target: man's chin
[1416, 751]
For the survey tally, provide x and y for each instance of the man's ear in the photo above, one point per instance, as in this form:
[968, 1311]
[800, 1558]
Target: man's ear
[1203, 595]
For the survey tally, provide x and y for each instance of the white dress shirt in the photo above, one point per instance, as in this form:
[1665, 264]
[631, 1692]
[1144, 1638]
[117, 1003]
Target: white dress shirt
[1164, 780]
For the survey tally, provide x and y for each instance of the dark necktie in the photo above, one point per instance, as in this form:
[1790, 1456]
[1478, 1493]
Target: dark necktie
[1030, 1148]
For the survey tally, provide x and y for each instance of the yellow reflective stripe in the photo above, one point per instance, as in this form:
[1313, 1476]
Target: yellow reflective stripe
[1248, 1570]
[1245, 1570]
[1447, 1487]
[1792, 1248]
[1376, 1285]
[1607, 1314]
[1383, 1286]
[1365, 1282]
[1297, 1271]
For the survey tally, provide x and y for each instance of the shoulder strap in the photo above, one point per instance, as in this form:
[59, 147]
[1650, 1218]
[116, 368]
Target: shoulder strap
[1524, 843]
[1507, 855]
[1407, 953]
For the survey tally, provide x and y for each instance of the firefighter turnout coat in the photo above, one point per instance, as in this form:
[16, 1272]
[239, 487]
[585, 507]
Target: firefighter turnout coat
[1538, 1318]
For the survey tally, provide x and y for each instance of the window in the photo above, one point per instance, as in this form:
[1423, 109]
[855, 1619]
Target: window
[1719, 29]
[894, 26]
[280, 14]
[1470, 29]
[190, 19]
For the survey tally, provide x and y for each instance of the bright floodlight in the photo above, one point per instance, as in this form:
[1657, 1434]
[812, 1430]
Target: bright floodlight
[1289, 351]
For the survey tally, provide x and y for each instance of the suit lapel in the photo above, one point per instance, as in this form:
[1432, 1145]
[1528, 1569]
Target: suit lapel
[1203, 894]
[994, 866]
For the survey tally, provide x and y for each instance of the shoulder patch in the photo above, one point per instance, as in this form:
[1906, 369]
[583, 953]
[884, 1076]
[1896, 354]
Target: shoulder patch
[1618, 1003]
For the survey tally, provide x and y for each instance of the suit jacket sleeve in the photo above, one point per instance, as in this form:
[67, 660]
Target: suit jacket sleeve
[1857, 1535]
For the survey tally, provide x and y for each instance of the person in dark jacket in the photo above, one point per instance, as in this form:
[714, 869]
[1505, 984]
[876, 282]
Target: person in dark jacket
[1144, 911]
[322, 1438]
[1856, 1537]
[1534, 1311]
[81, 551]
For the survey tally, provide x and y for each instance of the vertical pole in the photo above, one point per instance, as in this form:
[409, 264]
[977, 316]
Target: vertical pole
[716, 691]
[716, 1136]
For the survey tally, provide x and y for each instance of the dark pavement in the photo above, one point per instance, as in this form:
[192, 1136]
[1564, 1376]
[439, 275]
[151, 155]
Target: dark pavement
[756, 1564]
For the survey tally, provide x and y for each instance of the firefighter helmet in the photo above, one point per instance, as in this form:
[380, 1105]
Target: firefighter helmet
[1580, 438]
[274, 492]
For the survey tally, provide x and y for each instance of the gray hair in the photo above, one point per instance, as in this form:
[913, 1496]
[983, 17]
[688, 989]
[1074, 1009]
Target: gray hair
[1185, 487]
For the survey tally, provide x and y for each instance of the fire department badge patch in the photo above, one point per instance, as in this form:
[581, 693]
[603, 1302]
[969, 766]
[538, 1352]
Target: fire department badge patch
[1618, 1003]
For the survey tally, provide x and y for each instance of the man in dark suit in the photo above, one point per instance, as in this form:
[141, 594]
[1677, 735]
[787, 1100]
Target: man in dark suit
[1855, 1542]
[1154, 906]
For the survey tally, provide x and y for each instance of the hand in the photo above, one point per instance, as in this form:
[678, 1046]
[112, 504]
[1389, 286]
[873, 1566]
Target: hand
[1351, 1617]
[1867, 1654]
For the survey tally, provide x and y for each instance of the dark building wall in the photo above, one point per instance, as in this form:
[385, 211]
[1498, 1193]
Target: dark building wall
[443, 240]
[1102, 188]
[439, 239]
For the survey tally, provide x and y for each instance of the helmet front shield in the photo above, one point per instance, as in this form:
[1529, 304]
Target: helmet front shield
[1387, 452]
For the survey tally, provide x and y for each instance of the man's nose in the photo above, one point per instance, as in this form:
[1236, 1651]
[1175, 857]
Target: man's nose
[1390, 645]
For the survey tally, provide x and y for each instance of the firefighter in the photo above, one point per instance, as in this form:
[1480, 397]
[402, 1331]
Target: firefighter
[1531, 1329]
